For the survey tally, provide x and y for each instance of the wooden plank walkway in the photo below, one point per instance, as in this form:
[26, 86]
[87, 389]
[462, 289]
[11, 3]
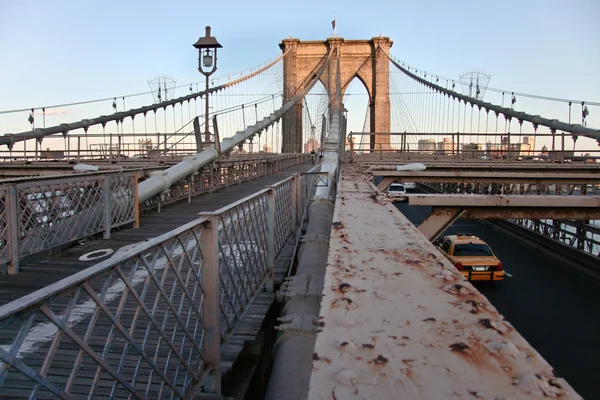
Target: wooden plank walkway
[36, 274]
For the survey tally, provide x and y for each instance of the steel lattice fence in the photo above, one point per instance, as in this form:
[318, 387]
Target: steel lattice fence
[54, 212]
[122, 199]
[139, 325]
[242, 240]
[577, 234]
[4, 224]
[283, 214]
[131, 326]
[42, 214]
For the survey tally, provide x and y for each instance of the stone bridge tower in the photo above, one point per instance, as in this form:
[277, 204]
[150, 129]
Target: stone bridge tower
[360, 59]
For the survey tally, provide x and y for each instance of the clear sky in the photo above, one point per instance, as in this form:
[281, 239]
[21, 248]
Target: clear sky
[64, 51]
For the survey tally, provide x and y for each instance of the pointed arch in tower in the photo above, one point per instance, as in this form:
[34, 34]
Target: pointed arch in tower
[358, 58]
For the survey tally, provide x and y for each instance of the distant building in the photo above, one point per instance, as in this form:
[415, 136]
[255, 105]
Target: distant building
[446, 146]
[528, 146]
[472, 150]
[311, 144]
[426, 146]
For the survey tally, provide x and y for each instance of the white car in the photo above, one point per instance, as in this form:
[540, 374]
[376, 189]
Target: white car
[396, 189]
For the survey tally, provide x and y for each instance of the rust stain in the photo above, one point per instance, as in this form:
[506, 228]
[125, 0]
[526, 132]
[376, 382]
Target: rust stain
[380, 360]
[458, 289]
[489, 324]
[344, 287]
[459, 347]
[474, 305]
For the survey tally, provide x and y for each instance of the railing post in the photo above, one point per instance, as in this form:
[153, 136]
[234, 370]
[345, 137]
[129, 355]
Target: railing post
[270, 282]
[136, 203]
[210, 307]
[107, 208]
[12, 209]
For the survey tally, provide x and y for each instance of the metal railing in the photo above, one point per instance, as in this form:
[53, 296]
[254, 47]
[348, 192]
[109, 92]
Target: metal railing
[222, 175]
[578, 234]
[45, 213]
[148, 322]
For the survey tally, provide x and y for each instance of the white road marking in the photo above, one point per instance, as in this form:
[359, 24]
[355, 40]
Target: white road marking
[508, 274]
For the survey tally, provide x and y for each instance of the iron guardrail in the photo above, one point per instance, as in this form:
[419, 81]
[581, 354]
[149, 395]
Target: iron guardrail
[578, 234]
[45, 213]
[148, 322]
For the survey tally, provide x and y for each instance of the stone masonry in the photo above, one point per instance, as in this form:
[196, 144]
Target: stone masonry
[360, 59]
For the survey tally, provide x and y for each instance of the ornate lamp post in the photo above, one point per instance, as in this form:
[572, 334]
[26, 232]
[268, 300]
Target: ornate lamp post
[207, 64]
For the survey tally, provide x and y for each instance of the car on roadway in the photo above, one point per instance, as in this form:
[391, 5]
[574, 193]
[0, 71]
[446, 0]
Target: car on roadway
[472, 257]
[396, 190]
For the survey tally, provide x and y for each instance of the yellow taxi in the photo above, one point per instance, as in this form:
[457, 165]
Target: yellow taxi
[472, 257]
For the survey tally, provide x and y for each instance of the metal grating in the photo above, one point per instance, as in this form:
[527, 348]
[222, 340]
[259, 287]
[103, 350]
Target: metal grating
[242, 239]
[122, 199]
[4, 224]
[283, 214]
[51, 213]
[129, 327]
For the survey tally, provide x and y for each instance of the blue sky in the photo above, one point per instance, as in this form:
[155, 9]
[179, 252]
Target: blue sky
[63, 51]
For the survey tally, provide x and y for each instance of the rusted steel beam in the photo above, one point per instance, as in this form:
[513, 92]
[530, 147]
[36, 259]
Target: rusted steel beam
[398, 321]
[464, 200]
[518, 167]
[385, 183]
[440, 219]
[577, 213]
[493, 177]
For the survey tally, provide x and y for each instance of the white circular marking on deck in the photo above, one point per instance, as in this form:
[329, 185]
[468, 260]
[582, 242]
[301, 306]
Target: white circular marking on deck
[96, 254]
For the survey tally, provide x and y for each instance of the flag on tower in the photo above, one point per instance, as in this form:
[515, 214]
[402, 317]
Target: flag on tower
[333, 24]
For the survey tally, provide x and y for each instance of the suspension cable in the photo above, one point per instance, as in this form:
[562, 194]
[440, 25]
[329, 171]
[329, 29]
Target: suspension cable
[508, 113]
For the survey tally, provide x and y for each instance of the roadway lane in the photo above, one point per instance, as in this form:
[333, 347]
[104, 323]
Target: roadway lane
[553, 307]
